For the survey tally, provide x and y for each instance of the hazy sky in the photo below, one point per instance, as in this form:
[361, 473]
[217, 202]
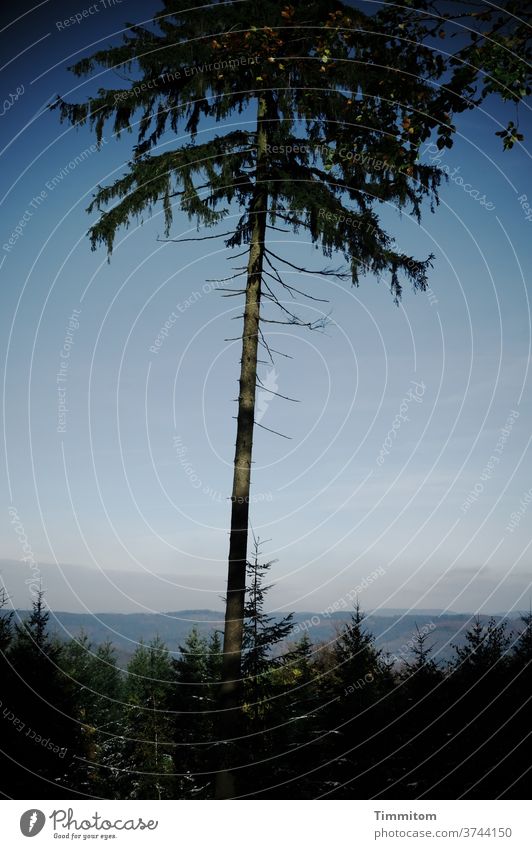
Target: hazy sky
[126, 507]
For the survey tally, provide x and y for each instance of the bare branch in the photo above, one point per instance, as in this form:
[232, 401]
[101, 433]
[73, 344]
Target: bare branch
[223, 279]
[184, 192]
[280, 229]
[291, 288]
[341, 275]
[233, 293]
[194, 238]
[271, 296]
[262, 341]
[294, 319]
[319, 324]
[277, 433]
[271, 392]
[281, 353]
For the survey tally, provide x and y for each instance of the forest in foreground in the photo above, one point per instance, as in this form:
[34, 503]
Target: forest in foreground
[340, 719]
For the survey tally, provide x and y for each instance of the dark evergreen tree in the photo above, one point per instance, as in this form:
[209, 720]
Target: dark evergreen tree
[6, 621]
[214, 659]
[6, 684]
[420, 672]
[148, 724]
[515, 770]
[264, 650]
[522, 649]
[49, 747]
[473, 729]
[419, 700]
[295, 717]
[262, 635]
[100, 699]
[107, 711]
[358, 691]
[358, 661]
[197, 678]
[484, 647]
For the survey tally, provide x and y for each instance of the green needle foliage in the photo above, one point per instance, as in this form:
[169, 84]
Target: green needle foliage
[350, 99]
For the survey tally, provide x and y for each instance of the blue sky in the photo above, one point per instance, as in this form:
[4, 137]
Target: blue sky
[127, 508]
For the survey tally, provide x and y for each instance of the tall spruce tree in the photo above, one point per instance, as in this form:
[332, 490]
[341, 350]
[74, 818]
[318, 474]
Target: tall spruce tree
[343, 102]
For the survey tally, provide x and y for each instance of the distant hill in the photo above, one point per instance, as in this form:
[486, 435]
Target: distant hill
[393, 629]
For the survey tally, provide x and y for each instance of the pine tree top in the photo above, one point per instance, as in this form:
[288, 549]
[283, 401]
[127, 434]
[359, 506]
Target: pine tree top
[347, 100]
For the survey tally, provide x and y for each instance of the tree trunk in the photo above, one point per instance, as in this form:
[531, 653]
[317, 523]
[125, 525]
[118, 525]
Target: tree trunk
[231, 685]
